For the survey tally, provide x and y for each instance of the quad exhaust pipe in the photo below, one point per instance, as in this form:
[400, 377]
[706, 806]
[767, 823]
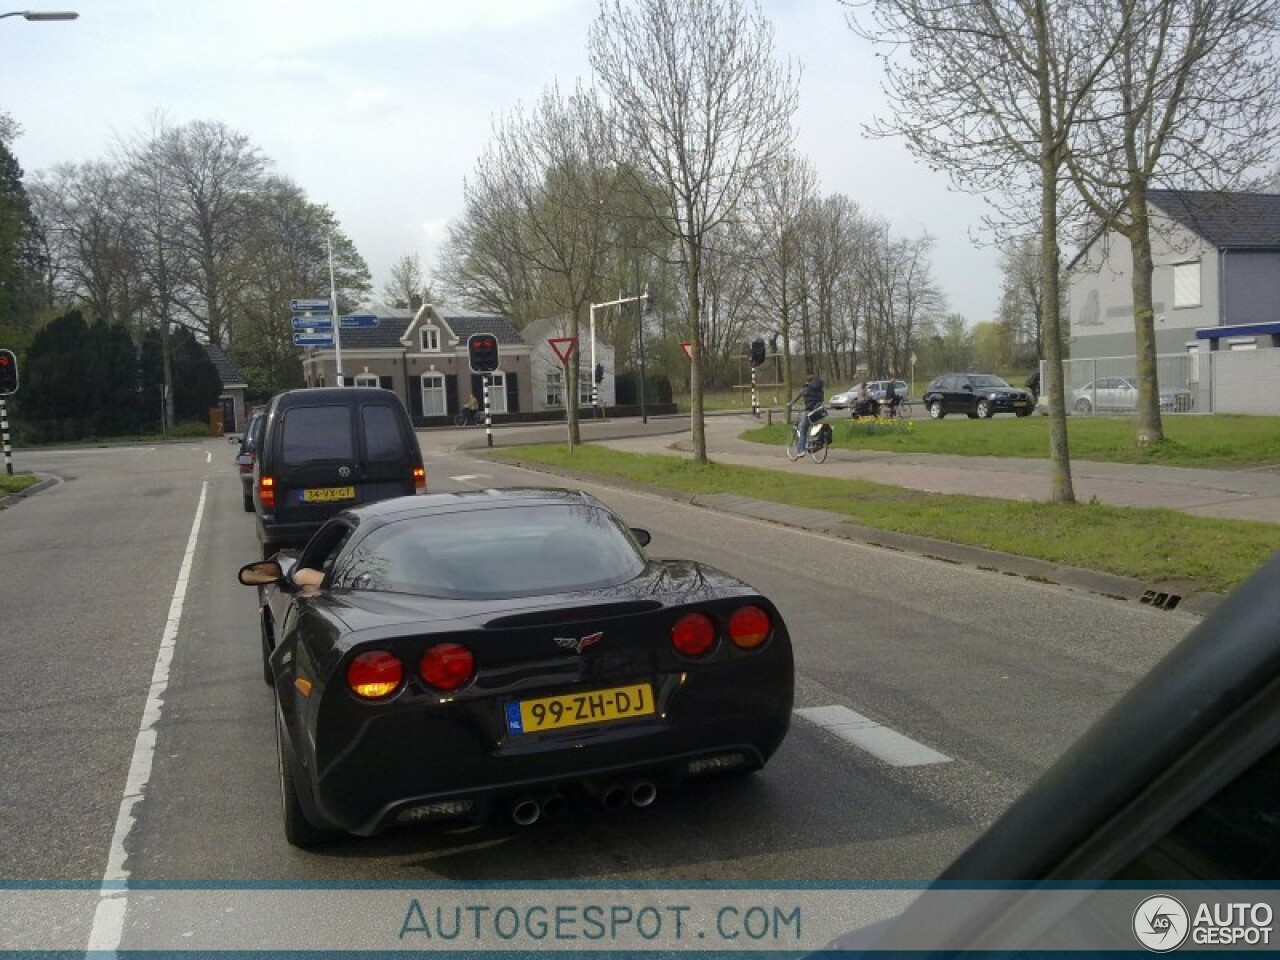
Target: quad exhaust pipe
[612, 795]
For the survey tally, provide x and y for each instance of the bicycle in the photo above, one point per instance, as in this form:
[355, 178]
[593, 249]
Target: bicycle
[820, 437]
[900, 409]
[466, 418]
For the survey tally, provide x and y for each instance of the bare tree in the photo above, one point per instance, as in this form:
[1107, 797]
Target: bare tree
[1021, 308]
[835, 237]
[407, 281]
[990, 90]
[1190, 97]
[778, 228]
[703, 110]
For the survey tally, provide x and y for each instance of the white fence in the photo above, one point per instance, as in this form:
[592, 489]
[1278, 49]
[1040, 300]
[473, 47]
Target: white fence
[1236, 381]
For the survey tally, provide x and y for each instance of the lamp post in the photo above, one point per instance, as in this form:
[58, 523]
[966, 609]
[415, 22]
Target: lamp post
[41, 15]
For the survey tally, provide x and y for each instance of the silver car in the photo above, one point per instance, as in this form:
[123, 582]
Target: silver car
[1120, 395]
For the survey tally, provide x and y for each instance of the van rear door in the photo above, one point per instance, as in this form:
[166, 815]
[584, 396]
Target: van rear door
[316, 464]
[390, 450]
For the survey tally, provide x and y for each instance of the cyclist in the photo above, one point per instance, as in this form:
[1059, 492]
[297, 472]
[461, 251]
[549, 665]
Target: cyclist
[811, 394]
[469, 410]
[891, 398]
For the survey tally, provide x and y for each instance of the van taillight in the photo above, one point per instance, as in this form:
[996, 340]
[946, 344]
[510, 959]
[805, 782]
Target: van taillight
[420, 478]
[267, 492]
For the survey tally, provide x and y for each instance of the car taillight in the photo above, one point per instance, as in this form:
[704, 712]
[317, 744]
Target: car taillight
[420, 478]
[267, 492]
[693, 635]
[447, 666]
[749, 627]
[375, 674]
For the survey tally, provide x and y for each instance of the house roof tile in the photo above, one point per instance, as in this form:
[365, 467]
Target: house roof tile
[1226, 220]
[227, 372]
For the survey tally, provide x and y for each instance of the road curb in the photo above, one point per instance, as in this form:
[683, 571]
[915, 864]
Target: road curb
[37, 487]
[1123, 589]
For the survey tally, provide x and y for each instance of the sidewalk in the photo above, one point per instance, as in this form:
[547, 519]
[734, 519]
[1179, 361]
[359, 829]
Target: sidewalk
[1244, 494]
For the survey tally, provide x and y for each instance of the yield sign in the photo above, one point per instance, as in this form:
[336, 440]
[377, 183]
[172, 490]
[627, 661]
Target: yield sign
[687, 355]
[563, 346]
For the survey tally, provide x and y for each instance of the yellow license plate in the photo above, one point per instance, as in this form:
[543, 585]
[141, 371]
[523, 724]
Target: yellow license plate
[577, 709]
[328, 494]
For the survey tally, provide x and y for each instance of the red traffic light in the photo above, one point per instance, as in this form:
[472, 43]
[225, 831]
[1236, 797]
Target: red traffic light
[482, 351]
[8, 373]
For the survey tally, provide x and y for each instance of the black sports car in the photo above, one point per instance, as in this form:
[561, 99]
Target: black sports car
[444, 656]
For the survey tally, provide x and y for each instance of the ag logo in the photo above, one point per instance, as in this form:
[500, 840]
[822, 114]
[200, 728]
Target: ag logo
[1161, 923]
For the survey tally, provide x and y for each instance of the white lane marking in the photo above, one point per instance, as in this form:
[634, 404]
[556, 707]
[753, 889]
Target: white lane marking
[471, 477]
[108, 918]
[878, 740]
[208, 456]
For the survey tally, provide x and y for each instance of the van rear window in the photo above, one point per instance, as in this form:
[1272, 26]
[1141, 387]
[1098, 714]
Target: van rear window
[317, 433]
[382, 438]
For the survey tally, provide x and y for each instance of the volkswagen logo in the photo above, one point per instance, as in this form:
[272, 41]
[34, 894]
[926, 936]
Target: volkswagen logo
[344, 472]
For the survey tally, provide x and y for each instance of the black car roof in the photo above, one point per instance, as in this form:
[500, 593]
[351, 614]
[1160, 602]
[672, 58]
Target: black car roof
[306, 395]
[400, 508]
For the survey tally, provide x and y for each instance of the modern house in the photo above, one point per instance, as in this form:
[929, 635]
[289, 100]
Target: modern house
[1215, 290]
[422, 356]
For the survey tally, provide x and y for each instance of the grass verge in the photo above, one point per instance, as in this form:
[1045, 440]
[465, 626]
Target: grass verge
[1190, 441]
[15, 484]
[1150, 545]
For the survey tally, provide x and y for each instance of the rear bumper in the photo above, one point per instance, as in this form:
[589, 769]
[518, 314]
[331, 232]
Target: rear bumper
[455, 757]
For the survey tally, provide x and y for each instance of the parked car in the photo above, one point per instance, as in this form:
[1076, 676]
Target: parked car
[978, 395]
[247, 455]
[875, 389]
[450, 655]
[327, 448]
[1120, 395]
[1173, 795]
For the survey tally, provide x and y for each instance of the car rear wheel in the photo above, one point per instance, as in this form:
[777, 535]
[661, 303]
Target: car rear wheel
[1084, 406]
[298, 830]
[1023, 413]
[984, 410]
[248, 503]
[935, 410]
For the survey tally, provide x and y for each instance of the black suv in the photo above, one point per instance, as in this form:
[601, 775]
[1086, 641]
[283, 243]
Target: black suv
[977, 395]
[327, 448]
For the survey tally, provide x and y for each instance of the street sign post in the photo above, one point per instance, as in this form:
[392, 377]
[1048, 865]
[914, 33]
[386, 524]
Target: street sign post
[313, 323]
[313, 339]
[358, 320]
[309, 306]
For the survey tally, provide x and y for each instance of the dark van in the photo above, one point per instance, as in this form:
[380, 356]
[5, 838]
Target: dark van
[327, 448]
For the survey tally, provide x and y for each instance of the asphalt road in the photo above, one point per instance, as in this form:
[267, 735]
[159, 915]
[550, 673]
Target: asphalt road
[994, 675]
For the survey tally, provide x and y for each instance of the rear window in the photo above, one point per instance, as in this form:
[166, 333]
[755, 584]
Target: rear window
[382, 437]
[317, 433]
[486, 554]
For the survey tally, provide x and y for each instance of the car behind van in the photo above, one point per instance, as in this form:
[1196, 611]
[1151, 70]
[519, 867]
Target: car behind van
[327, 448]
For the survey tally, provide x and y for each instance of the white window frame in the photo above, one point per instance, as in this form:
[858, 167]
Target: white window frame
[429, 339]
[435, 401]
[367, 380]
[555, 388]
[497, 392]
[1186, 285]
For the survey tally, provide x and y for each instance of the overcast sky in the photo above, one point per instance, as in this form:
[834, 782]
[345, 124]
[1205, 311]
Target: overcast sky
[380, 108]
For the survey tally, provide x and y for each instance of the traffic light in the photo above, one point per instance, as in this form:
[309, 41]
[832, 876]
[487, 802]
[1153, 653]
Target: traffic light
[482, 351]
[8, 373]
[599, 372]
[757, 352]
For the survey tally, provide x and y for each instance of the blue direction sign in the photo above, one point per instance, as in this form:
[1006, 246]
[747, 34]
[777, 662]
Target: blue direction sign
[309, 306]
[312, 323]
[313, 339]
[358, 320]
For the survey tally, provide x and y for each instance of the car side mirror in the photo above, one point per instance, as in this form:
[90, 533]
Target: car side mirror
[261, 573]
[642, 536]
[244, 460]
